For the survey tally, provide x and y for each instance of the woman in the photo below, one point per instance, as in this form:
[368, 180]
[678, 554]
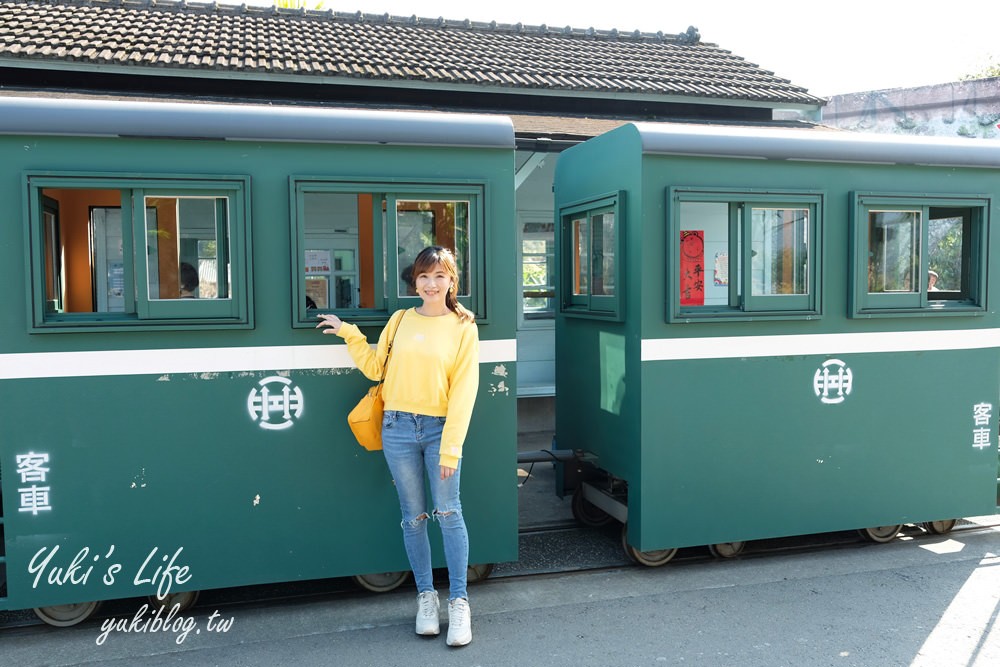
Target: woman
[430, 388]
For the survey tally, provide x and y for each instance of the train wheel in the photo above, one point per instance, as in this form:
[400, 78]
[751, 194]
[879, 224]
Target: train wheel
[727, 549]
[586, 512]
[382, 582]
[184, 599]
[65, 615]
[939, 527]
[881, 533]
[654, 558]
[479, 573]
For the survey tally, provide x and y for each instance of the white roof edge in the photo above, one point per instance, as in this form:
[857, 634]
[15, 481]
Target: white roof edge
[245, 122]
[819, 145]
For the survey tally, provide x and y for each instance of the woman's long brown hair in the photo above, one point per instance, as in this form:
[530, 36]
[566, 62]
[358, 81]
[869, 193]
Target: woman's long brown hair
[425, 262]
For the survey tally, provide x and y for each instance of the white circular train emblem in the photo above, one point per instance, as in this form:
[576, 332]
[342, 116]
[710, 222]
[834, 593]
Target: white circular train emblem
[276, 405]
[833, 381]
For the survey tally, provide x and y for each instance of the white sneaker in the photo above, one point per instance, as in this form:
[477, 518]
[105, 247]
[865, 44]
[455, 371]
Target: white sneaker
[459, 622]
[428, 606]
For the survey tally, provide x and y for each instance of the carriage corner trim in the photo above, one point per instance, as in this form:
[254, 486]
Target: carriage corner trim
[159, 571]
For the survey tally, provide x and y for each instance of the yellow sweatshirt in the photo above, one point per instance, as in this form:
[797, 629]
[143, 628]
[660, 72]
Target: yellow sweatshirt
[434, 370]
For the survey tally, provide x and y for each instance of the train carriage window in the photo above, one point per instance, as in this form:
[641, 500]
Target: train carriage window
[918, 254]
[426, 222]
[112, 251]
[538, 271]
[779, 251]
[591, 265]
[580, 231]
[732, 254]
[354, 244]
[187, 255]
[54, 275]
[893, 252]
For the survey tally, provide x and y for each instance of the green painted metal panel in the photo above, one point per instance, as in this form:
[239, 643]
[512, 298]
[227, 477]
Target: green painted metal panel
[598, 408]
[743, 448]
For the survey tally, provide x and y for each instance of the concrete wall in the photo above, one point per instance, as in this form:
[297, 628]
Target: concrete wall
[963, 108]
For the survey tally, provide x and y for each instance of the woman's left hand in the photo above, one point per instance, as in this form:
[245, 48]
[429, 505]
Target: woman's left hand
[447, 472]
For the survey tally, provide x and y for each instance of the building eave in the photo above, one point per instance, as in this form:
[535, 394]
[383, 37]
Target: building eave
[398, 84]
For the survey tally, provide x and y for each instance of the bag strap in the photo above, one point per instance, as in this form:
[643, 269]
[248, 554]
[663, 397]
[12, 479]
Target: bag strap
[389, 350]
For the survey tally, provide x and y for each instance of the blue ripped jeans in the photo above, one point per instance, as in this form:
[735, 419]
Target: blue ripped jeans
[410, 443]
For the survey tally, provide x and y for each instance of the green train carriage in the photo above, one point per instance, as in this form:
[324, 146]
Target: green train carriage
[764, 354]
[768, 356]
[165, 434]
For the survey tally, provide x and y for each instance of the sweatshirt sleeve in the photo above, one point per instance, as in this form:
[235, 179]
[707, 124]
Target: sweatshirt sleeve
[462, 389]
[370, 362]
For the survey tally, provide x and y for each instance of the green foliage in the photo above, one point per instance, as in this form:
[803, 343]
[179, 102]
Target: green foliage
[535, 270]
[945, 252]
[989, 70]
[299, 4]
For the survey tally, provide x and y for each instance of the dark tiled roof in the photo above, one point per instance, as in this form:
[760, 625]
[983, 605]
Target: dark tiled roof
[128, 35]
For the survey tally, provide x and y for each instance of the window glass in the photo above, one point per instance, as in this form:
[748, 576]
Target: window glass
[581, 256]
[183, 236]
[604, 254]
[538, 270]
[893, 241]
[425, 223]
[947, 248]
[339, 255]
[704, 276]
[779, 254]
[208, 271]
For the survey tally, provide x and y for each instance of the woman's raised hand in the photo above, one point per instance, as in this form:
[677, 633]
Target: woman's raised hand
[329, 320]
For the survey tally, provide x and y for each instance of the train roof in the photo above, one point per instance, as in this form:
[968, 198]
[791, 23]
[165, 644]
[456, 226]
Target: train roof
[818, 146]
[243, 122]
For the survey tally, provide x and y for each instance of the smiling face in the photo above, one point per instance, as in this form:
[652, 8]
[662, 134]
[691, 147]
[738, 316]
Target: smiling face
[433, 285]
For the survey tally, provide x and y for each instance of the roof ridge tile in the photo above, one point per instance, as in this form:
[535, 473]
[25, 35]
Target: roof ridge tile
[213, 7]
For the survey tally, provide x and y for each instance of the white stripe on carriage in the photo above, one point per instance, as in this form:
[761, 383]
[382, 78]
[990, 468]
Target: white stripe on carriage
[729, 347]
[202, 360]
